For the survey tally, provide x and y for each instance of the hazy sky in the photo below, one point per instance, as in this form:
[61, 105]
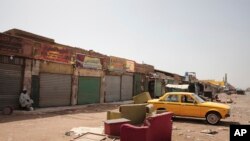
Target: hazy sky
[209, 37]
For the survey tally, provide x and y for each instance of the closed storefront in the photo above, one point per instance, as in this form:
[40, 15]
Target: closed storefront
[55, 90]
[137, 84]
[158, 88]
[113, 88]
[10, 81]
[127, 87]
[88, 90]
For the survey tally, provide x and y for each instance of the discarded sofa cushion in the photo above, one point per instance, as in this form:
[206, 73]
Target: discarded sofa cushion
[113, 115]
[136, 113]
[142, 98]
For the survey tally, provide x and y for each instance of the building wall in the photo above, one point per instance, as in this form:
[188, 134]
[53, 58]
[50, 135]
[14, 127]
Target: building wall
[50, 67]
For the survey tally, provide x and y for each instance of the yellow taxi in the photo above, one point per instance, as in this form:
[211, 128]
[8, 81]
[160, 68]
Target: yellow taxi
[191, 105]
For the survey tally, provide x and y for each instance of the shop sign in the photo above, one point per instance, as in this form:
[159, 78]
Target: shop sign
[130, 66]
[84, 61]
[116, 64]
[54, 53]
[10, 44]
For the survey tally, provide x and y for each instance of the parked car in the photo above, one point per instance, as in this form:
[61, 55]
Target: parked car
[190, 105]
[240, 91]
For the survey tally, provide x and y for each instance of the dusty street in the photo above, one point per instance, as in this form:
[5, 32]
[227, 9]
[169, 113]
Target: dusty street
[51, 126]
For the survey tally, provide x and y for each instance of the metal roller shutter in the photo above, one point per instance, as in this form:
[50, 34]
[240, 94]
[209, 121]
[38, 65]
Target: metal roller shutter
[88, 90]
[127, 87]
[137, 84]
[10, 84]
[113, 88]
[157, 88]
[55, 90]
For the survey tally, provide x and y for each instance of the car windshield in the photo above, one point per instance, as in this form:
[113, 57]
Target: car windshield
[198, 98]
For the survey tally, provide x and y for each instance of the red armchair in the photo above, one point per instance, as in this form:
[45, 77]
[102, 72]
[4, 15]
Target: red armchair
[158, 128]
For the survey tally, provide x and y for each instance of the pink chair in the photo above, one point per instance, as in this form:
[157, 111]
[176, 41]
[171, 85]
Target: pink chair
[156, 128]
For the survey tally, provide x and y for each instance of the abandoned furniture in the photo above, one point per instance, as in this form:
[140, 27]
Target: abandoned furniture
[112, 127]
[90, 137]
[156, 128]
[136, 113]
[142, 98]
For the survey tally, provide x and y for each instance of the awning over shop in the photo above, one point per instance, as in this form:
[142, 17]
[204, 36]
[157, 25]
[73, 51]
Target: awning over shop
[177, 86]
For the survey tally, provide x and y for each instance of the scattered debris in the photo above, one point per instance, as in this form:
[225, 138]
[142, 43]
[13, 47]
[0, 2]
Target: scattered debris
[175, 128]
[83, 130]
[90, 137]
[190, 131]
[188, 137]
[69, 133]
[229, 100]
[223, 129]
[180, 134]
[209, 131]
[197, 139]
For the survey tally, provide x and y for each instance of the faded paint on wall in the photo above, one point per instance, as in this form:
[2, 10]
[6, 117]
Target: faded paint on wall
[50, 67]
[10, 45]
[130, 66]
[116, 64]
[27, 74]
[35, 67]
[143, 68]
[89, 72]
[27, 46]
[52, 52]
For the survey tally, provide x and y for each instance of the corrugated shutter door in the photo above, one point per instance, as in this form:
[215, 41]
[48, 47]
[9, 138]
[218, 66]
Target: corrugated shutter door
[112, 88]
[137, 84]
[127, 87]
[88, 90]
[157, 89]
[10, 85]
[55, 90]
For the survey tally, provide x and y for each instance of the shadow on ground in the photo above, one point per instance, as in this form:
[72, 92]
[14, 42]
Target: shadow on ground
[203, 121]
[26, 115]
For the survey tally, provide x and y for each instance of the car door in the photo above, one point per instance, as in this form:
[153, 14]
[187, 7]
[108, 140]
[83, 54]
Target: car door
[189, 107]
[172, 103]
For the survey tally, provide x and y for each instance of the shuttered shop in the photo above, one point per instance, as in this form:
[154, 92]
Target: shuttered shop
[113, 88]
[137, 84]
[127, 87]
[88, 90]
[157, 88]
[10, 84]
[55, 90]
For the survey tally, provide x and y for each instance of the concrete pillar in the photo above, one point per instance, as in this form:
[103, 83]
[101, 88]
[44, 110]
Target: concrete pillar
[35, 67]
[102, 89]
[74, 87]
[27, 75]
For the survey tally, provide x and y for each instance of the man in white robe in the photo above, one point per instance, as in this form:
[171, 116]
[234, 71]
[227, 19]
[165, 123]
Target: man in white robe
[25, 100]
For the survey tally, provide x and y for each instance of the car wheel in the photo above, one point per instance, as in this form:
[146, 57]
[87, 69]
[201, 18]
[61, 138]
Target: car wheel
[213, 118]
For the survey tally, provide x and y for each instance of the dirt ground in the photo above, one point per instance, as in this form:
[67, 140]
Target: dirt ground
[49, 125]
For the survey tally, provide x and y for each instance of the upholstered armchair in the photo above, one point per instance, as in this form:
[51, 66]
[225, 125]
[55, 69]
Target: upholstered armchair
[136, 113]
[156, 128]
